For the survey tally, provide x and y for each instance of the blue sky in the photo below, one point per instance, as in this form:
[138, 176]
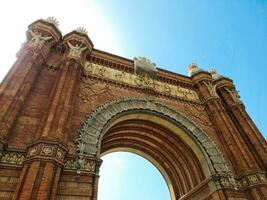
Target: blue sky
[228, 35]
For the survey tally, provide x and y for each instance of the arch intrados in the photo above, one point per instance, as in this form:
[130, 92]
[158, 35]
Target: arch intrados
[173, 150]
[166, 123]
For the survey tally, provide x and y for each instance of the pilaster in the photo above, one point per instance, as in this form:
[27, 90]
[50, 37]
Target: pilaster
[247, 129]
[41, 171]
[41, 36]
[77, 46]
[231, 142]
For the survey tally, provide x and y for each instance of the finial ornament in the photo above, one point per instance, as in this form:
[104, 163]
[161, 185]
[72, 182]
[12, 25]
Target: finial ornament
[143, 66]
[52, 20]
[193, 69]
[235, 95]
[37, 41]
[82, 30]
[214, 74]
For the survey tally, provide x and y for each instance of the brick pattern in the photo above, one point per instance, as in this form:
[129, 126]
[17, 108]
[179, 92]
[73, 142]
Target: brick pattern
[42, 112]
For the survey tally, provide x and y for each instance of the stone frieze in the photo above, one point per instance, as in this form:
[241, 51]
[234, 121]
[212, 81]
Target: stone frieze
[92, 69]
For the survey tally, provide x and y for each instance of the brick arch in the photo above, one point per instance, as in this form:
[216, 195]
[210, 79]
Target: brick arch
[97, 123]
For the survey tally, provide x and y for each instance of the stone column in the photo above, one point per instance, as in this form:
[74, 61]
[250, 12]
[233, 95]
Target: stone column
[41, 35]
[44, 163]
[232, 144]
[248, 133]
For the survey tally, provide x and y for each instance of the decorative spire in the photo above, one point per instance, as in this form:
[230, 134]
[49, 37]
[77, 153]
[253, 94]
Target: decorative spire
[52, 20]
[193, 69]
[82, 30]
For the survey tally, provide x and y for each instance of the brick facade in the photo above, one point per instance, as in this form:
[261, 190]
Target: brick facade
[65, 103]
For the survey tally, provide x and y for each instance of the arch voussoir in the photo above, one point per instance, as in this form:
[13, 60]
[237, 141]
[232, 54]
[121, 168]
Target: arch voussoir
[95, 126]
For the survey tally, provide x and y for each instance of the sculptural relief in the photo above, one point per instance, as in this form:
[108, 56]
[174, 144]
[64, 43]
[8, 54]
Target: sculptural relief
[88, 92]
[37, 41]
[212, 89]
[76, 50]
[235, 96]
[143, 66]
[139, 81]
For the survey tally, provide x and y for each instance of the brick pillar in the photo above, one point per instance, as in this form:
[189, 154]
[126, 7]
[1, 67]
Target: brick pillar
[246, 127]
[232, 144]
[41, 173]
[248, 133]
[41, 35]
[77, 46]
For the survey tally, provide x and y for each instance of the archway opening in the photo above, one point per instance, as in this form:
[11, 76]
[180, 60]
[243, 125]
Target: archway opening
[183, 153]
[125, 175]
[160, 142]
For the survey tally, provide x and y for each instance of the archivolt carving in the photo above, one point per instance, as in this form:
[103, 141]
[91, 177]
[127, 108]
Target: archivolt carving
[94, 127]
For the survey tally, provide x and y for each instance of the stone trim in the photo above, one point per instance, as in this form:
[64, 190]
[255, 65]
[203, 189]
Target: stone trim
[47, 151]
[12, 158]
[93, 128]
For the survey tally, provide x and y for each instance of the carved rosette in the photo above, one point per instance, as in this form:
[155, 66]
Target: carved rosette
[46, 150]
[77, 45]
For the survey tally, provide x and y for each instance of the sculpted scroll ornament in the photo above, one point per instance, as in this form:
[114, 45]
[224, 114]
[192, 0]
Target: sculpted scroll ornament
[142, 81]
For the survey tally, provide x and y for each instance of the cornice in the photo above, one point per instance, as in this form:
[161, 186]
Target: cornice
[124, 64]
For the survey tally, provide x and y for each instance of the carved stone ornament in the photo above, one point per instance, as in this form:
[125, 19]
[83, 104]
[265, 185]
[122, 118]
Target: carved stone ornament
[82, 30]
[71, 165]
[37, 40]
[52, 20]
[88, 91]
[142, 81]
[88, 142]
[235, 96]
[12, 158]
[75, 51]
[1, 149]
[214, 74]
[143, 66]
[193, 69]
[212, 89]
